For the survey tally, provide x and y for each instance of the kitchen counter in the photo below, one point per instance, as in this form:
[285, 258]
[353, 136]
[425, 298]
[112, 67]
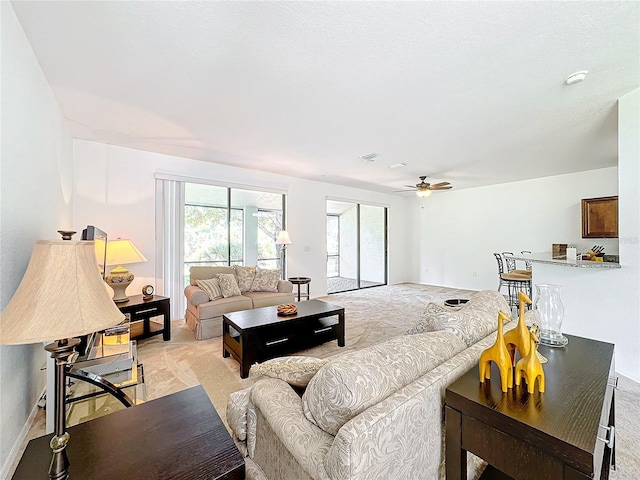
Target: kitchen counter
[547, 258]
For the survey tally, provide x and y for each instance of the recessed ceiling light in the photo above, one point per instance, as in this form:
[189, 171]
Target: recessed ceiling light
[576, 77]
[398, 165]
[369, 157]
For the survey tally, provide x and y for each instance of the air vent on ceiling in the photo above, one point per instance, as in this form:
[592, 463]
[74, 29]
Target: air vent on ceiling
[369, 157]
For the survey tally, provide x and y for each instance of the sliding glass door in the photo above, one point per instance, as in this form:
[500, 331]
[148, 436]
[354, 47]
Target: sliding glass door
[231, 226]
[356, 246]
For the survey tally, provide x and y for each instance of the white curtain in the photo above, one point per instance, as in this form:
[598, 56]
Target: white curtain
[169, 237]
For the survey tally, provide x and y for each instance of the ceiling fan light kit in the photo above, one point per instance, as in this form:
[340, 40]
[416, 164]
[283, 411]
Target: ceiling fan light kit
[424, 189]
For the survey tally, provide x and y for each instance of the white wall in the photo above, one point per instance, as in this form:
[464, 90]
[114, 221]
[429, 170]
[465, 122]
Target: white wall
[114, 189]
[461, 229]
[36, 190]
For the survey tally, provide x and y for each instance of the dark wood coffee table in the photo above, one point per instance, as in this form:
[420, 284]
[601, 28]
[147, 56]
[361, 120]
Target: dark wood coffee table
[255, 335]
[174, 437]
[564, 433]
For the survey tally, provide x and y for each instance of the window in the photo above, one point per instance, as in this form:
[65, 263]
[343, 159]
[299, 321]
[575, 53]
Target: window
[231, 226]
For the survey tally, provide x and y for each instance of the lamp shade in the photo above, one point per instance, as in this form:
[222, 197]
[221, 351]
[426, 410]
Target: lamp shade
[283, 238]
[423, 193]
[61, 295]
[121, 251]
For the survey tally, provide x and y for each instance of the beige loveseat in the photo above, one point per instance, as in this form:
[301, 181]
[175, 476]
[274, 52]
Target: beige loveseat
[372, 414]
[204, 315]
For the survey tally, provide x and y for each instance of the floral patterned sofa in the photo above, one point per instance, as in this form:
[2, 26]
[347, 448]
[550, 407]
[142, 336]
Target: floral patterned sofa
[375, 413]
[214, 291]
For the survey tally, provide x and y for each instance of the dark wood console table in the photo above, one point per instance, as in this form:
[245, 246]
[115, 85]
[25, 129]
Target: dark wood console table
[174, 437]
[567, 432]
[141, 310]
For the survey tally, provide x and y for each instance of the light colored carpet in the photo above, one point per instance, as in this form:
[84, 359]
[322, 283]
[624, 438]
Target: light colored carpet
[372, 315]
[342, 284]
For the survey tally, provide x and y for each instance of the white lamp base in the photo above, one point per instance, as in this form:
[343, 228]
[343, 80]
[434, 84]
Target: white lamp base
[119, 281]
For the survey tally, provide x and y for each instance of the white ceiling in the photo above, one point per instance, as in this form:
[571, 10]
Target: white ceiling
[466, 92]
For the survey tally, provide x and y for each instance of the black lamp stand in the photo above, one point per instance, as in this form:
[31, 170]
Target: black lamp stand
[60, 351]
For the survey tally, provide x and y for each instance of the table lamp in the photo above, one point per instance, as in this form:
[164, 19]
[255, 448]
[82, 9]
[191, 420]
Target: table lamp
[61, 296]
[120, 252]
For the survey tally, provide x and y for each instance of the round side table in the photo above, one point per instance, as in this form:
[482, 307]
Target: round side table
[301, 281]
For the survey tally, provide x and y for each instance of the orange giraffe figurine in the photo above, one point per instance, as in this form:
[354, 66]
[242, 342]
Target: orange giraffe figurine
[519, 336]
[499, 354]
[530, 367]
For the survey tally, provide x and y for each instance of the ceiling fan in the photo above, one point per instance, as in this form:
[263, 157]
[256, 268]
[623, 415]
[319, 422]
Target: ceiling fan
[424, 189]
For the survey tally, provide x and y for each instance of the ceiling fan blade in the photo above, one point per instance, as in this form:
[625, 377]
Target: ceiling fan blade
[441, 184]
[441, 188]
[400, 191]
[409, 186]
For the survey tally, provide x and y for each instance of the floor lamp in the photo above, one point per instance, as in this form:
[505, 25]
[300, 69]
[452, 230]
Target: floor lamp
[283, 240]
[61, 296]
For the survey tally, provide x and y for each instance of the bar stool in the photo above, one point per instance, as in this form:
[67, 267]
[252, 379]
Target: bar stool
[514, 281]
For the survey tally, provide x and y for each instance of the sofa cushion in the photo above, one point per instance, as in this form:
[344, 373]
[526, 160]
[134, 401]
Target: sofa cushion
[295, 370]
[245, 276]
[223, 305]
[268, 299]
[471, 322]
[353, 382]
[470, 326]
[228, 285]
[265, 280]
[211, 287]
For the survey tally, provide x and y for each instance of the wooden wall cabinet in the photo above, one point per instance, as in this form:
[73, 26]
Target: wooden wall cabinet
[600, 217]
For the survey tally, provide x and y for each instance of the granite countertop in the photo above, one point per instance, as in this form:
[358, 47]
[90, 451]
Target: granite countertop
[545, 257]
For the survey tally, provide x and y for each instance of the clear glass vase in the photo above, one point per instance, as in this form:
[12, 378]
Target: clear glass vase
[549, 313]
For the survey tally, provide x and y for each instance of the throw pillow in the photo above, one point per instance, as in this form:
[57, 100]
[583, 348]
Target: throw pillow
[470, 326]
[426, 323]
[228, 285]
[245, 275]
[211, 288]
[265, 280]
[295, 370]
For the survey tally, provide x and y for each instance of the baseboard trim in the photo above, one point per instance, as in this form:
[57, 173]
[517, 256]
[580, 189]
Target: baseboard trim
[16, 450]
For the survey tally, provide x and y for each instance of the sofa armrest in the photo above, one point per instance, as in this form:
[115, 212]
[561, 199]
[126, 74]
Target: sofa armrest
[195, 295]
[282, 409]
[285, 286]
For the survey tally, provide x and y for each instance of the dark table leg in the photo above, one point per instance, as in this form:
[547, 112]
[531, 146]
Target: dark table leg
[455, 457]
[225, 333]
[341, 329]
[247, 354]
[165, 308]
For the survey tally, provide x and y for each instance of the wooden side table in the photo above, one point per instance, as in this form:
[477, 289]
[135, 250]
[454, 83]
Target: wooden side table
[567, 432]
[301, 281]
[174, 437]
[141, 310]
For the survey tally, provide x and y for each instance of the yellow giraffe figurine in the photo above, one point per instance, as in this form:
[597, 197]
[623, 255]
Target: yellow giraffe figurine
[518, 338]
[530, 367]
[499, 354]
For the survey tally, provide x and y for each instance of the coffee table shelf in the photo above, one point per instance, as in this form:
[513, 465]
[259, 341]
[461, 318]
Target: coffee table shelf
[255, 335]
